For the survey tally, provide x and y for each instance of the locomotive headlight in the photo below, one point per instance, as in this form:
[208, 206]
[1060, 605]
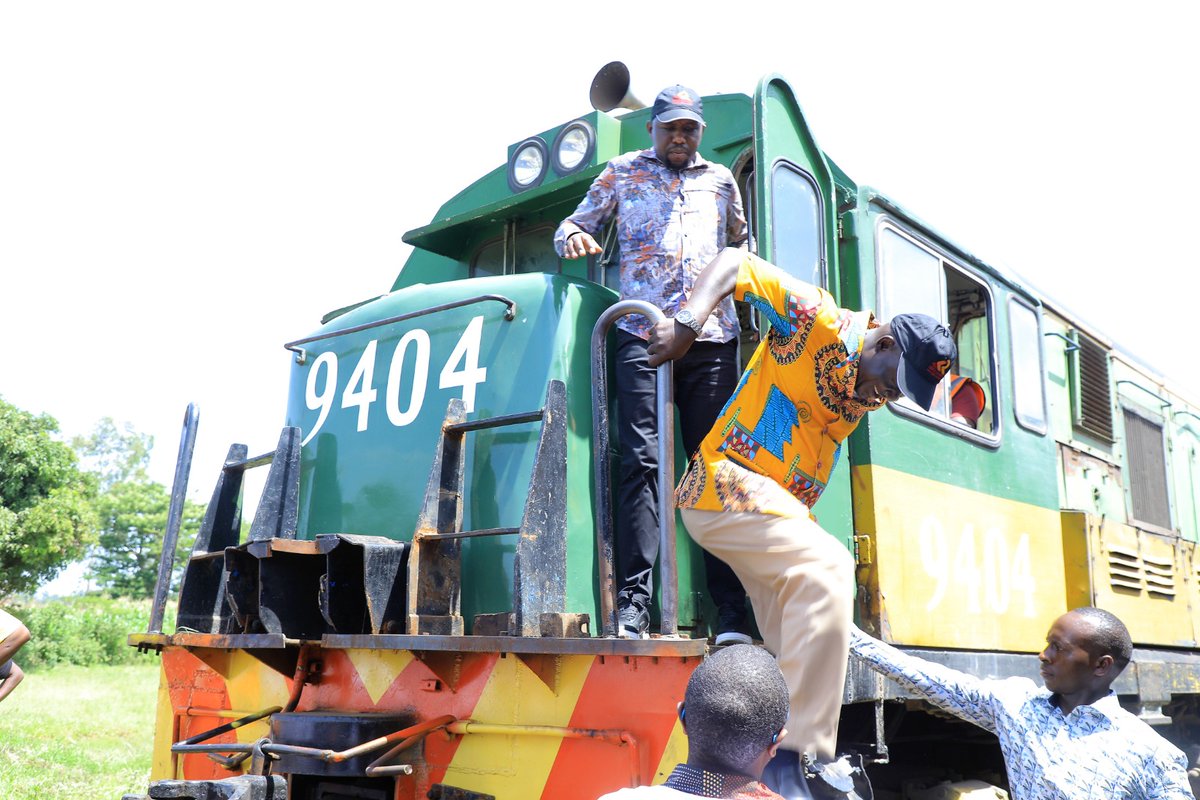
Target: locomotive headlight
[528, 165]
[573, 147]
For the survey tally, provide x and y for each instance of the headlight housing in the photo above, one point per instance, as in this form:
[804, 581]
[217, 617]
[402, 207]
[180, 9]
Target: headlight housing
[528, 165]
[573, 147]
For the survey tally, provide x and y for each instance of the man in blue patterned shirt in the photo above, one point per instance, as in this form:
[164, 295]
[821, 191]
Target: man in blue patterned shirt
[674, 211]
[1068, 741]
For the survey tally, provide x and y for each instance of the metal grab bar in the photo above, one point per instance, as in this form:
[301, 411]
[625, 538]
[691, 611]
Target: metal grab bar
[510, 313]
[665, 412]
[272, 750]
[166, 562]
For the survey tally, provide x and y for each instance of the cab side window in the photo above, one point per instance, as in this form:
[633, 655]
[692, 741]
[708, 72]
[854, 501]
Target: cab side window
[1029, 391]
[796, 224]
[916, 277]
[517, 251]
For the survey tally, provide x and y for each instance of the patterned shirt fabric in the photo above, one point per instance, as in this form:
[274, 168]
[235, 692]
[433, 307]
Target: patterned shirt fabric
[1096, 751]
[703, 783]
[669, 224]
[688, 781]
[779, 436]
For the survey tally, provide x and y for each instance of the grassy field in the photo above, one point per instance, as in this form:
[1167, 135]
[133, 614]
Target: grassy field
[79, 733]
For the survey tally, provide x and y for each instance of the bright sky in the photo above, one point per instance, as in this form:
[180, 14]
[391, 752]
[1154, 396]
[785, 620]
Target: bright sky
[185, 187]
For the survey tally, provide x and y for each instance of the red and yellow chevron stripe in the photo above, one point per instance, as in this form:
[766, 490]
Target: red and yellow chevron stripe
[529, 725]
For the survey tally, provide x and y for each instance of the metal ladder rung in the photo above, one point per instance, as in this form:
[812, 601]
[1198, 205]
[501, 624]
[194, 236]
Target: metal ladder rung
[250, 463]
[495, 422]
[427, 537]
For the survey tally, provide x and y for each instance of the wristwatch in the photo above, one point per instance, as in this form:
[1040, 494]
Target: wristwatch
[688, 320]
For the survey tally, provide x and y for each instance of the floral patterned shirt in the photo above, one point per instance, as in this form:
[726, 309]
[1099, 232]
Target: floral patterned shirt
[669, 225]
[780, 435]
[1096, 751]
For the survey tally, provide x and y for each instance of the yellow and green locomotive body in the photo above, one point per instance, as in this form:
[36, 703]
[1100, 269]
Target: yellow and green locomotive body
[419, 608]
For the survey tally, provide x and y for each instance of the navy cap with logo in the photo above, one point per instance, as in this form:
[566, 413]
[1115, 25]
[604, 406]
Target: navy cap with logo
[926, 352]
[678, 102]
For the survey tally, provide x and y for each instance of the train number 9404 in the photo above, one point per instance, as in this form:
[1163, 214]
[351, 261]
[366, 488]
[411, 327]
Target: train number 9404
[979, 571]
[406, 383]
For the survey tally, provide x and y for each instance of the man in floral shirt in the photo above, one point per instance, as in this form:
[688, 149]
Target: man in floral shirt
[673, 211]
[748, 491]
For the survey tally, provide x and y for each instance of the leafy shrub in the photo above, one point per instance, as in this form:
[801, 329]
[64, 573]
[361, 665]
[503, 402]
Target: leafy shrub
[82, 630]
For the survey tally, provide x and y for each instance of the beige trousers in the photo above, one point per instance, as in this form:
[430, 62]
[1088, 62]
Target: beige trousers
[800, 581]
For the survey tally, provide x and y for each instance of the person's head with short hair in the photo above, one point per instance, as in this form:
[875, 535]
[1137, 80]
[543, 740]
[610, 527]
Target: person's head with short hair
[676, 125]
[734, 711]
[1086, 649]
[906, 356]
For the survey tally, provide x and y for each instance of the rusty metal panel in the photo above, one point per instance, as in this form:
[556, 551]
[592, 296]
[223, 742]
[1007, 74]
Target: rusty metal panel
[363, 589]
[277, 508]
[540, 570]
[435, 566]
[1145, 578]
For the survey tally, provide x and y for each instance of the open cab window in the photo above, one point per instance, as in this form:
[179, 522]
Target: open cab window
[916, 277]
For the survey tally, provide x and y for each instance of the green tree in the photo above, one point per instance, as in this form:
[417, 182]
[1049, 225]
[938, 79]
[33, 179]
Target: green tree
[133, 522]
[115, 454]
[132, 511]
[47, 518]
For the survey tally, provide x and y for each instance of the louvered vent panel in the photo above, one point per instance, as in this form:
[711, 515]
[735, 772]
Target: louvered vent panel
[1160, 575]
[1124, 568]
[1147, 471]
[1095, 393]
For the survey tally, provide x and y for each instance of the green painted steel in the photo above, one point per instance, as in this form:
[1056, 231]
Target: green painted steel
[365, 470]
[1019, 464]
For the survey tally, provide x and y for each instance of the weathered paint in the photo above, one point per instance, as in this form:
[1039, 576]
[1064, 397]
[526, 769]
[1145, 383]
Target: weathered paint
[628, 701]
[1145, 578]
[955, 568]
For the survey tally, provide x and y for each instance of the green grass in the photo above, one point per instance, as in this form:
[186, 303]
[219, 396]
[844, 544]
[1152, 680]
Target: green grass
[79, 733]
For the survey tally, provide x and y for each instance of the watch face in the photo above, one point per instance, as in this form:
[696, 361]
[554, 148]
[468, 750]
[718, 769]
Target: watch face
[688, 319]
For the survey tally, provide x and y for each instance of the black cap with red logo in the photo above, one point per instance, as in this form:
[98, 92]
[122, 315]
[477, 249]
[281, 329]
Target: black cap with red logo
[926, 352]
[678, 102]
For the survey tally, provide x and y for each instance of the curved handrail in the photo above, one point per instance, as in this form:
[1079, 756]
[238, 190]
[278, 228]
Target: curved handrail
[510, 313]
[665, 412]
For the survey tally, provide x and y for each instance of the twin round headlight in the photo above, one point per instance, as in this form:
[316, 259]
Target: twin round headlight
[572, 150]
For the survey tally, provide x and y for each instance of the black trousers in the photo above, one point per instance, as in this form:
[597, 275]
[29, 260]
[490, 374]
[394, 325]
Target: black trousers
[704, 380]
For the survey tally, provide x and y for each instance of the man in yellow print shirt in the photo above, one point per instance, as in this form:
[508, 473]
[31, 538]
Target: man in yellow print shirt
[747, 491]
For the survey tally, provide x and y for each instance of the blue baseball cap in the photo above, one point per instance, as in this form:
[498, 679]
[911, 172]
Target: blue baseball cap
[678, 102]
[926, 352]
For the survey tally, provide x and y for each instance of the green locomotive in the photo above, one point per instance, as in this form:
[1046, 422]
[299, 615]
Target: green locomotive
[421, 607]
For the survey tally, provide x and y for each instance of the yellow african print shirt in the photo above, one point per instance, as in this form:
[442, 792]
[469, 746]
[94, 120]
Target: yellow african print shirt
[779, 437]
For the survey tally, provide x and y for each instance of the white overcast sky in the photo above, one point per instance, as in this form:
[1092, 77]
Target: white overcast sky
[184, 187]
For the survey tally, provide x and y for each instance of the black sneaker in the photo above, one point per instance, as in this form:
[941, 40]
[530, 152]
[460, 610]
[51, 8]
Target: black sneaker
[731, 626]
[633, 622]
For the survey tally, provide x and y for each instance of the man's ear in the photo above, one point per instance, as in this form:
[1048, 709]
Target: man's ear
[1104, 665]
[774, 748]
[885, 342]
[682, 714]
[650, 127]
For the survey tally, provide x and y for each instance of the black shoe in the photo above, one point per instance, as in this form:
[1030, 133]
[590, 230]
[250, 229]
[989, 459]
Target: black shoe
[633, 621]
[731, 626]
